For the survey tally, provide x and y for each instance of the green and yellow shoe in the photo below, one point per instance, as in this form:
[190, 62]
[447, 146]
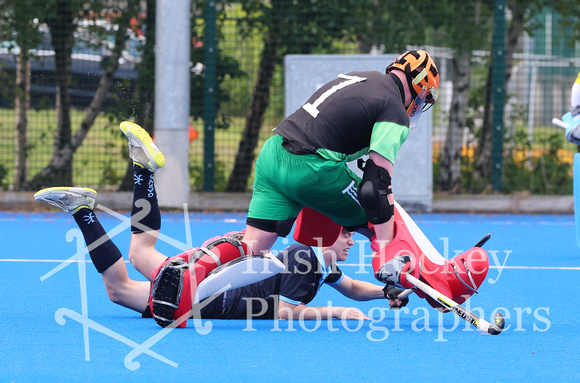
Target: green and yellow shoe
[69, 199]
[142, 149]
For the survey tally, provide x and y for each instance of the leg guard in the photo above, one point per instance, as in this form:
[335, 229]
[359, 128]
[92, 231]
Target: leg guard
[466, 272]
[402, 255]
[174, 285]
[410, 251]
[220, 250]
[315, 229]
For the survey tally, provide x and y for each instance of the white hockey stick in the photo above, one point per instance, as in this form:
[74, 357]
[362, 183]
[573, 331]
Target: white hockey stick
[405, 294]
[560, 123]
[459, 310]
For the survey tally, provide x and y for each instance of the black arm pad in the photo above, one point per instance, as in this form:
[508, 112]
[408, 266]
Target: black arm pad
[373, 191]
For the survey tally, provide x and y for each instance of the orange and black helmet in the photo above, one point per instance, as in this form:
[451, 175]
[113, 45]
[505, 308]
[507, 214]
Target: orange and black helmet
[421, 73]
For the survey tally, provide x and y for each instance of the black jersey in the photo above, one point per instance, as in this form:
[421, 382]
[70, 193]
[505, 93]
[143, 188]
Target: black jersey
[298, 284]
[340, 119]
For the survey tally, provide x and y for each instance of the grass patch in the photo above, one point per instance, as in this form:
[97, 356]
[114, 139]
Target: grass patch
[101, 161]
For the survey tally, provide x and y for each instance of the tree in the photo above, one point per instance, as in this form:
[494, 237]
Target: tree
[62, 17]
[297, 27]
[521, 14]
[19, 29]
[459, 26]
[466, 27]
[141, 104]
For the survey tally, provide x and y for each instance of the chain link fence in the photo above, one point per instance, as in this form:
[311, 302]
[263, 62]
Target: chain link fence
[71, 73]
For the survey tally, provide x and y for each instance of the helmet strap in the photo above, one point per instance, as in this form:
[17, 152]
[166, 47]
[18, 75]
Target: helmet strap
[411, 87]
[399, 85]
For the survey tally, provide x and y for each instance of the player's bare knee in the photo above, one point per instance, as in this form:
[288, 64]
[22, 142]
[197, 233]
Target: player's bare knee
[142, 243]
[137, 252]
[133, 255]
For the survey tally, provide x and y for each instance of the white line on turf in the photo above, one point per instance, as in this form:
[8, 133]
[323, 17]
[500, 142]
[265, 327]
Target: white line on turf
[342, 264]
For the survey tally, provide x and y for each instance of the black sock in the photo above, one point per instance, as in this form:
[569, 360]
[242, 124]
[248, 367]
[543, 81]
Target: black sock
[102, 250]
[145, 209]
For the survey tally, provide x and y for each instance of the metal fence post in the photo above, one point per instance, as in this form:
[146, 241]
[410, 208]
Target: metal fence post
[209, 93]
[498, 83]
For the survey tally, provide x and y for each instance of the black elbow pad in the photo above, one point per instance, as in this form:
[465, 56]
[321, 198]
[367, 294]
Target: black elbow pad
[373, 191]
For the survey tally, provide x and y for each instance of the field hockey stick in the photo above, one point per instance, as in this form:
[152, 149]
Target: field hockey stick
[560, 123]
[457, 309]
[404, 294]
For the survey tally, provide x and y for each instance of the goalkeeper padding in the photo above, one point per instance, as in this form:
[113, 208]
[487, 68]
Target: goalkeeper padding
[221, 264]
[411, 252]
[313, 228]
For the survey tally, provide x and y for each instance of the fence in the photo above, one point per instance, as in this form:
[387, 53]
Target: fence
[69, 82]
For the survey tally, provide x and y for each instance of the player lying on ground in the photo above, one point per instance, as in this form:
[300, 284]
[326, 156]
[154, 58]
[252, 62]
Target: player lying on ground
[306, 268]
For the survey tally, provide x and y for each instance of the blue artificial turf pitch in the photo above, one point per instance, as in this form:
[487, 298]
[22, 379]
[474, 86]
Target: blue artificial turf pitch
[57, 324]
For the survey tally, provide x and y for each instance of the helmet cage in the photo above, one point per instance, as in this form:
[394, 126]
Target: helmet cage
[431, 92]
[416, 108]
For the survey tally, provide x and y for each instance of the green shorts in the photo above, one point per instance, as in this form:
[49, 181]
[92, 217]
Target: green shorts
[286, 182]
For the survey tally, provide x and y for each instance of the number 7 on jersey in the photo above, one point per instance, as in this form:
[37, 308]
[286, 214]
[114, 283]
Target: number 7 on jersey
[312, 109]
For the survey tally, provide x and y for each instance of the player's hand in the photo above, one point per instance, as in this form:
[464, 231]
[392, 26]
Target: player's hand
[350, 313]
[390, 272]
[392, 294]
